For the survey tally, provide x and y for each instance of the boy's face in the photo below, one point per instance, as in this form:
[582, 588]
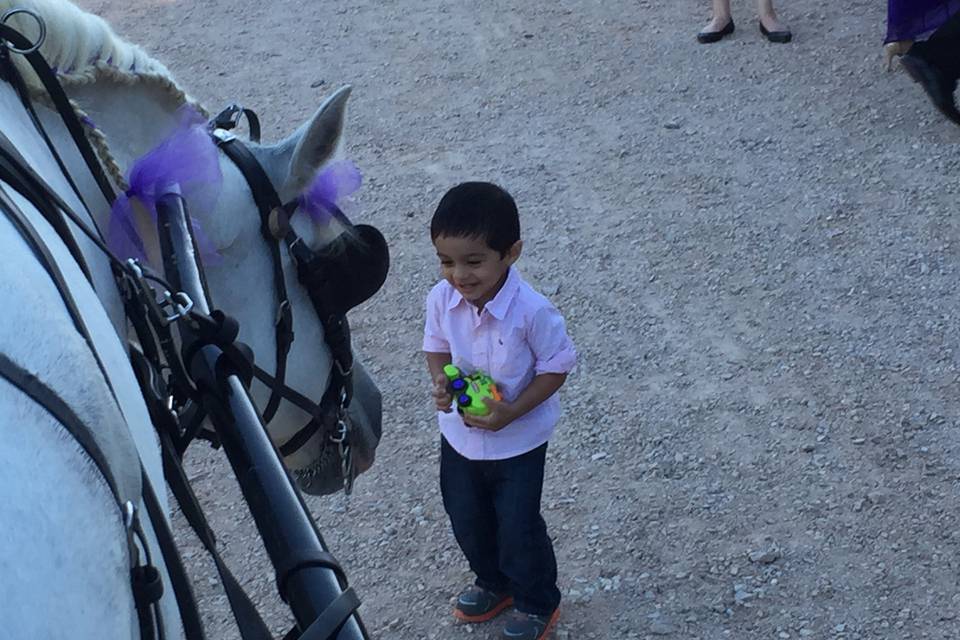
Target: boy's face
[473, 268]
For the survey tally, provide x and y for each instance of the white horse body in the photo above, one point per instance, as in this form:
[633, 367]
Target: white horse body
[63, 554]
[64, 565]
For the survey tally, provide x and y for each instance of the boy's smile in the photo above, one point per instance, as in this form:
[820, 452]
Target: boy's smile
[474, 269]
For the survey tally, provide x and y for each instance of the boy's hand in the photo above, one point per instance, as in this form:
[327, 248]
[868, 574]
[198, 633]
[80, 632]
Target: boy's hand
[501, 414]
[441, 396]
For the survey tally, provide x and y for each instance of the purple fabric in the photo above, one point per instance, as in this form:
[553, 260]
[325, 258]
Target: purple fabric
[188, 158]
[334, 182]
[908, 19]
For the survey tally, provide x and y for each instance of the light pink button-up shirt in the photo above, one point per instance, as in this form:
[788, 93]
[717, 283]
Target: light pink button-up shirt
[516, 337]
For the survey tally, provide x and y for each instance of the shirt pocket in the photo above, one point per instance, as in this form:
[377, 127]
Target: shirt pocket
[512, 358]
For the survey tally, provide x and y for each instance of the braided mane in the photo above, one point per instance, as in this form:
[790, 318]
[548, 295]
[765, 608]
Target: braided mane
[82, 49]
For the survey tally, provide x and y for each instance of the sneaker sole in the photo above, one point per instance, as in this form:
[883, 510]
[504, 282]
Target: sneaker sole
[489, 615]
[546, 630]
[550, 625]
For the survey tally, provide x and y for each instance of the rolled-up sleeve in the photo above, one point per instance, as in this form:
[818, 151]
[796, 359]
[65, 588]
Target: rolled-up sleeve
[434, 340]
[552, 348]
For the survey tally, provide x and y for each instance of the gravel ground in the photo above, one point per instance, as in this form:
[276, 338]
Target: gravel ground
[754, 250]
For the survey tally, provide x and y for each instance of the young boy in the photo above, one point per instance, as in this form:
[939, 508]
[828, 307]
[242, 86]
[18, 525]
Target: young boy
[483, 316]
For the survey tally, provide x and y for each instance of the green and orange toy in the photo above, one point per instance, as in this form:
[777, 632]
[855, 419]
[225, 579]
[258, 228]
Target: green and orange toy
[469, 391]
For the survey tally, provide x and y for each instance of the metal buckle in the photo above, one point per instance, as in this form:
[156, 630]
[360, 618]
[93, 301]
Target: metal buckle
[135, 267]
[344, 373]
[129, 512]
[229, 117]
[282, 311]
[223, 135]
[40, 39]
[181, 303]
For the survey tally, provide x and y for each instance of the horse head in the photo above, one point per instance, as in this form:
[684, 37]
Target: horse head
[129, 104]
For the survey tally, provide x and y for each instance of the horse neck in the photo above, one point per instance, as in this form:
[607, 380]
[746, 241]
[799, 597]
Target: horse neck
[129, 118]
[90, 206]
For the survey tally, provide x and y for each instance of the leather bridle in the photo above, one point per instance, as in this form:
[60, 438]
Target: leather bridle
[318, 272]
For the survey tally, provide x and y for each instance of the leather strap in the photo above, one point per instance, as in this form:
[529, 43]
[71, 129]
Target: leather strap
[186, 601]
[15, 171]
[249, 622]
[327, 625]
[40, 249]
[62, 103]
[267, 201]
[44, 396]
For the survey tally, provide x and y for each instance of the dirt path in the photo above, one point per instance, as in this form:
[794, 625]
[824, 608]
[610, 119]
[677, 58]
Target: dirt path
[756, 250]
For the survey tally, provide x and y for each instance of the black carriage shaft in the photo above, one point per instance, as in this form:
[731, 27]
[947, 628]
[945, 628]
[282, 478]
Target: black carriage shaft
[294, 545]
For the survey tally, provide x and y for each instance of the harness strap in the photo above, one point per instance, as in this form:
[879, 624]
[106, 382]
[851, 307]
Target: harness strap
[44, 396]
[15, 171]
[288, 393]
[328, 623]
[147, 591]
[40, 249]
[303, 559]
[230, 117]
[267, 200]
[8, 70]
[301, 437]
[143, 577]
[249, 622]
[62, 103]
[186, 601]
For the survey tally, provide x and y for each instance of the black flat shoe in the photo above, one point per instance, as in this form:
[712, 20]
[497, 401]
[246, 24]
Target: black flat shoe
[776, 36]
[706, 37]
[934, 82]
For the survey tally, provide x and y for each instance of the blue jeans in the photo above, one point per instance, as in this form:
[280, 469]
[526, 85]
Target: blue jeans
[494, 507]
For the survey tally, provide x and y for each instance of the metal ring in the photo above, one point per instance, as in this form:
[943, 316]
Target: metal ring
[181, 303]
[43, 30]
[341, 435]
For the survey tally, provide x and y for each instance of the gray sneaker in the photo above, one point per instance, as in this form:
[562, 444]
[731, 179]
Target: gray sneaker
[527, 626]
[476, 604]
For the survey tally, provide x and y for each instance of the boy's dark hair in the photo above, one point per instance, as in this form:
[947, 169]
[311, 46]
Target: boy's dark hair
[478, 210]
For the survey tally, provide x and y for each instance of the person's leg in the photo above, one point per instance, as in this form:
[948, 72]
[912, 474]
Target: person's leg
[721, 17]
[943, 48]
[469, 504]
[935, 65]
[526, 552]
[770, 21]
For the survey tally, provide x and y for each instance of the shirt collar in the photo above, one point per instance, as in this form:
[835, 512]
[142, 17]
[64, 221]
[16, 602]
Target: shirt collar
[501, 302]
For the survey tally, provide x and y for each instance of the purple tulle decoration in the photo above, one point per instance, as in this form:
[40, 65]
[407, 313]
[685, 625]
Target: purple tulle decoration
[911, 19]
[332, 183]
[187, 158]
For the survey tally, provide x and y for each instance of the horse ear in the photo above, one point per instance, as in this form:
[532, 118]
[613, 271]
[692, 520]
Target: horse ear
[314, 143]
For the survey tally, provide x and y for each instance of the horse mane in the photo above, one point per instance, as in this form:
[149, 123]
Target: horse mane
[82, 49]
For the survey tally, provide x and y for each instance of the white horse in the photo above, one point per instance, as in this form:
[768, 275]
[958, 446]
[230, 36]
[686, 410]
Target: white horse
[64, 560]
